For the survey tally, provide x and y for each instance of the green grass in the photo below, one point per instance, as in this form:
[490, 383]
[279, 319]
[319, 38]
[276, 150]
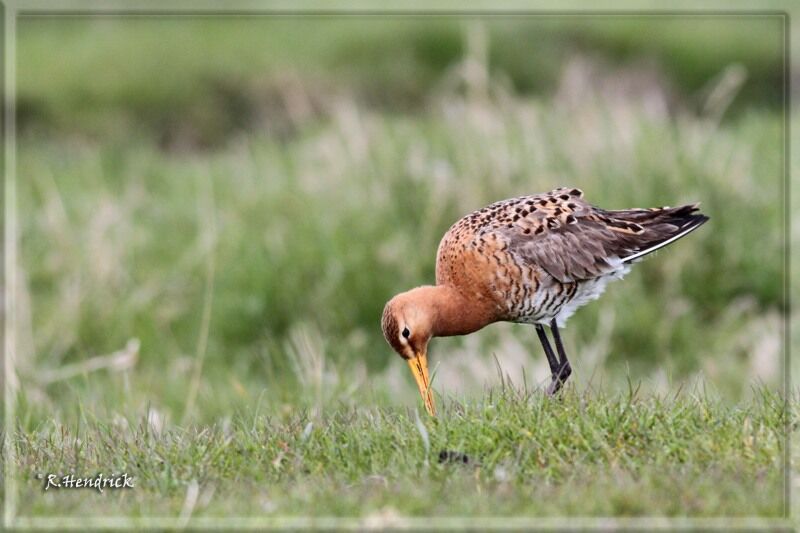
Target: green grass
[195, 81]
[293, 247]
[687, 455]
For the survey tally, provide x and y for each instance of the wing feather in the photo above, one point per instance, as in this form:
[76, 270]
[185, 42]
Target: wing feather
[596, 242]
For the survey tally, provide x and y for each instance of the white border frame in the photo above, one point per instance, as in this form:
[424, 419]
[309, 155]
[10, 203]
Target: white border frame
[354, 7]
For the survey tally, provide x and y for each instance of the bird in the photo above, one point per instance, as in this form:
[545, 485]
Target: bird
[531, 260]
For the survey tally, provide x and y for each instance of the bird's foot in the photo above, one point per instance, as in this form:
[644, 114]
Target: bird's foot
[559, 378]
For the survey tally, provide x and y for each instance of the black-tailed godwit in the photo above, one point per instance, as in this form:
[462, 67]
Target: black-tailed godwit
[532, 260]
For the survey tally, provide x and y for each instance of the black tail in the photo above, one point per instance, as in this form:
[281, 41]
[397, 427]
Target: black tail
[662, 226]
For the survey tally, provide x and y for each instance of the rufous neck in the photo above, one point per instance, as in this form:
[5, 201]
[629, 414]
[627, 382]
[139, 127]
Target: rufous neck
[452, 313]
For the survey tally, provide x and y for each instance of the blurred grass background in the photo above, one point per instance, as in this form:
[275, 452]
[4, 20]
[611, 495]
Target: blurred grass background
[213, 211]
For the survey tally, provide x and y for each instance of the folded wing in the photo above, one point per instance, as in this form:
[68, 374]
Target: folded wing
[590, 242]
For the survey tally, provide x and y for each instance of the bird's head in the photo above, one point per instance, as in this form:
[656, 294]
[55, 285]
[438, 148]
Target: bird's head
[407, 325]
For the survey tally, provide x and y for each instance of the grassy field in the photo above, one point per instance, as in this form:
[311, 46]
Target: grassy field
[523, 455]
[270, 262]
[211, 221]
[197, 81]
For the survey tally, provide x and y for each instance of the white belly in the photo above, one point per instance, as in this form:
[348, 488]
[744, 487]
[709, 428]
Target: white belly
[588, 291]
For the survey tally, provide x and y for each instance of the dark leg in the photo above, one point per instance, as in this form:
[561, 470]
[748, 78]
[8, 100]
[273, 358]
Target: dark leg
[564, 370]
[548, 351]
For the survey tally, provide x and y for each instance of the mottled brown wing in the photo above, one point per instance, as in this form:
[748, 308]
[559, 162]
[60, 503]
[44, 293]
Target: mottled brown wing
[591, 242]
[584, 249]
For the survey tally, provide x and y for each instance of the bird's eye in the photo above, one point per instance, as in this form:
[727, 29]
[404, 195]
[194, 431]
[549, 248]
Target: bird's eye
[406, 333]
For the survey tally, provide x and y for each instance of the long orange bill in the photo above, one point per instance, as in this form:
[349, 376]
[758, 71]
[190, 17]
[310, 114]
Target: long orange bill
[419, 367]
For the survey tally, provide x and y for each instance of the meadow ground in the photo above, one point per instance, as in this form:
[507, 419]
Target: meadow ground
[208, 234]
[514, 453]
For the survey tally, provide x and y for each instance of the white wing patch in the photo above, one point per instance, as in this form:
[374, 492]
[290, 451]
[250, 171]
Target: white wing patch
[674, 238]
